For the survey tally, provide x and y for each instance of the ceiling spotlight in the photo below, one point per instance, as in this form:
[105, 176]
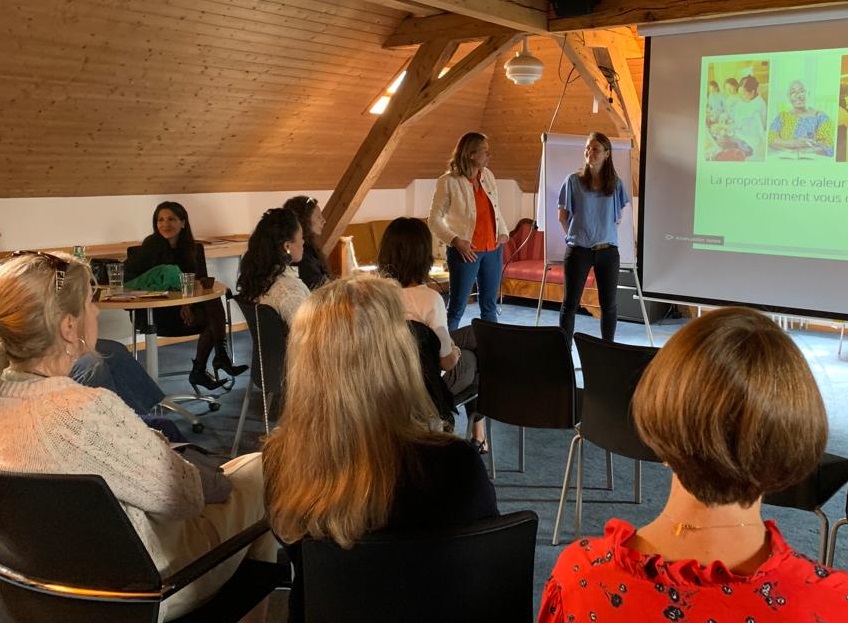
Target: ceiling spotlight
[524, 68]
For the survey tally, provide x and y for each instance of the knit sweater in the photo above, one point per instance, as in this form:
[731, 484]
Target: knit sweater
[56, 425]
[286, 294]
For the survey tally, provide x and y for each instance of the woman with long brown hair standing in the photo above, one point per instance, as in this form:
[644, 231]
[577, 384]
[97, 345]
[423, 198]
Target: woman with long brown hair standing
[590, 205]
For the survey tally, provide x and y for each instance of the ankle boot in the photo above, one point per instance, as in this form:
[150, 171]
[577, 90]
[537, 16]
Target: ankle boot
[199, 375]
[222, 361]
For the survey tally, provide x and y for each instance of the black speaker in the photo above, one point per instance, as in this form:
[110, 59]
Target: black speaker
[573, 8]
[629, 308]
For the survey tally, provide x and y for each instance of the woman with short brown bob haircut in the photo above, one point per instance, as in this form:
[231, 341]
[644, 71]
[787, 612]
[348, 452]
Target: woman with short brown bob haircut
[732, 408]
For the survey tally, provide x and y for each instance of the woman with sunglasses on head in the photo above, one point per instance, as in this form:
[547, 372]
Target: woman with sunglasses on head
[312, 267]
[52, 424]
[265, 275]
[731, 406]
[173, 243]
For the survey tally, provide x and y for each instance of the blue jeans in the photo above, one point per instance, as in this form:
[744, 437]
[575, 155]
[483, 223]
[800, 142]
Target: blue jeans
[486, 271]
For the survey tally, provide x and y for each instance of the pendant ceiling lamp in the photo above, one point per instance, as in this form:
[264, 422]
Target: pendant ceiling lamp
[524, 68]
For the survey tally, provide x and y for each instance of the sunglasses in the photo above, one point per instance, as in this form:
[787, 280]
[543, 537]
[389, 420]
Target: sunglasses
[58, 265]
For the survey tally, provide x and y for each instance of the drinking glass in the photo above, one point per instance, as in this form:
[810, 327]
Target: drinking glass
[116, 278]
[187, 284]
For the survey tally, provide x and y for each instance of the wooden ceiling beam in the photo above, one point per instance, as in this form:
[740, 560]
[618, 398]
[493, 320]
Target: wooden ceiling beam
[625, 12]
[584, 62]
[415, 31]
[468, 68]
[523, 15]
[384, 137]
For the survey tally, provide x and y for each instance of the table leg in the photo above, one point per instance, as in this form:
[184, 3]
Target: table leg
[151, 347]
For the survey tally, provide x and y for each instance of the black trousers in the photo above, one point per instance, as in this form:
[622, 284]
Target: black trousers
[578, 261]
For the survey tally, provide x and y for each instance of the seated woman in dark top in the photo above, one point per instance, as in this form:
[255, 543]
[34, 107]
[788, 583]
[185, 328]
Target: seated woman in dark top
[313, 266]
[173, 243]
[354, 451]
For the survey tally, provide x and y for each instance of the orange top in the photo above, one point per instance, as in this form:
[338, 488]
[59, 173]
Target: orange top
[484, 238]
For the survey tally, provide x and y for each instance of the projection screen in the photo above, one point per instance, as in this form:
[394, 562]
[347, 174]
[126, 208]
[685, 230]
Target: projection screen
[744, 182]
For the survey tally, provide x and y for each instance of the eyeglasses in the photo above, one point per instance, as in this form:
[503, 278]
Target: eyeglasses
[58, 265]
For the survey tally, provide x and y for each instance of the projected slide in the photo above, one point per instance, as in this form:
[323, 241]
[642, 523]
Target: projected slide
[771, 172]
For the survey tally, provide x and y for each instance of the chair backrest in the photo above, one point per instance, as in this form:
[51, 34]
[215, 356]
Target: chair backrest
[480, 572]
[69, 530]
[611, 372]
[526, 375]
[428, 352]
[272, 332]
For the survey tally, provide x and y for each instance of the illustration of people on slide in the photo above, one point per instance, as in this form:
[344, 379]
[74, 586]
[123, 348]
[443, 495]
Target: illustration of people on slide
[800, 131]
[737, 132]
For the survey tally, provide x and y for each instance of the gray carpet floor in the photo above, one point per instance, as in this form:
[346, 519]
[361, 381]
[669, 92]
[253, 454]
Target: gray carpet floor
[538, 487]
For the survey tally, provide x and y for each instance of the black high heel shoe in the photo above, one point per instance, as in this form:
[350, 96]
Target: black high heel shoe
[199, 375]
[223, 361]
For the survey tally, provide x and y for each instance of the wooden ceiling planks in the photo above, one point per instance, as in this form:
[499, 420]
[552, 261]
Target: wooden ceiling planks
[103, 97]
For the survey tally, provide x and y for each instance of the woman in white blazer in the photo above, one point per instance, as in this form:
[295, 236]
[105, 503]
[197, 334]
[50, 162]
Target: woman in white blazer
[466, 217]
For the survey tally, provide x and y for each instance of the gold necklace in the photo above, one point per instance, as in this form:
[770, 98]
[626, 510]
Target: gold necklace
[681, 526]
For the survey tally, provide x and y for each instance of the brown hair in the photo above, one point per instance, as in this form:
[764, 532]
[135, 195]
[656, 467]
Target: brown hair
[607, 174]
[406, 251]
[31, 308]
[731, 405]
[355, 401]
[460, 161]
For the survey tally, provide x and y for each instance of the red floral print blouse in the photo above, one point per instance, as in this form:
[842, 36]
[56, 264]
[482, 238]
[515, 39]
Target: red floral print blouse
[601, 580]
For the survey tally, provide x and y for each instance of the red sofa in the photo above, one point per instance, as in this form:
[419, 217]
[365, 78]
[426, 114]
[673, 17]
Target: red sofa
[524, 265]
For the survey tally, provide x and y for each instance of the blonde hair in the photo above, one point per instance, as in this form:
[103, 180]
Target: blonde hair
[355, 400]
[731, 405]
[31, 309]
[460, 163]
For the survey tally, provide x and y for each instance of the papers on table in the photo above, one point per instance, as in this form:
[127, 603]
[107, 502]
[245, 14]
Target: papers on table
[134, 295]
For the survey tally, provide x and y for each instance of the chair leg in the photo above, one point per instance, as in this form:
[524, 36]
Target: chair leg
[841, 337]
[578, 497]
[169, 403]
[825, 525]
[831, 546]
[242, 416]
[637, 482]
[565, 482]
[521, 449]
[491, 454]
[610, 475]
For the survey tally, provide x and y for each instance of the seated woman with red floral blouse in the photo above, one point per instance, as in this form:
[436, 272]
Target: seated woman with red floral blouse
[731, 406]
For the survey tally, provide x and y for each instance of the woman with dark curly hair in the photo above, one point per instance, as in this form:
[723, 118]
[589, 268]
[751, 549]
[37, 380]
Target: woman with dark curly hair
[313, 265]
[173, 243]
[265, 275]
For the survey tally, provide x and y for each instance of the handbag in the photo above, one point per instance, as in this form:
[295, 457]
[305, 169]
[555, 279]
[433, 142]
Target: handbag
[216, 486]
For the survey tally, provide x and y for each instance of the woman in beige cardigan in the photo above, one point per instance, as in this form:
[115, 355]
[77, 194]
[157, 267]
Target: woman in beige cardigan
[466, 217]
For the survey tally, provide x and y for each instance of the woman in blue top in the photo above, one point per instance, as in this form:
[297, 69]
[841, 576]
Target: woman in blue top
[590, 205]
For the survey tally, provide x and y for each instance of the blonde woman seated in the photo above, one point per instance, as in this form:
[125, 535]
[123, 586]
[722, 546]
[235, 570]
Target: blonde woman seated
[406, 254]
[354, 451]
[732, 407]
[52, 424]
[265, 274]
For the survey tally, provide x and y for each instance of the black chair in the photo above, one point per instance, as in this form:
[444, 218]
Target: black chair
[526, 379]
[831, 548]
[269, 333]
[813, 492]
[611, 372]
[481, 572]
[69, 553]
